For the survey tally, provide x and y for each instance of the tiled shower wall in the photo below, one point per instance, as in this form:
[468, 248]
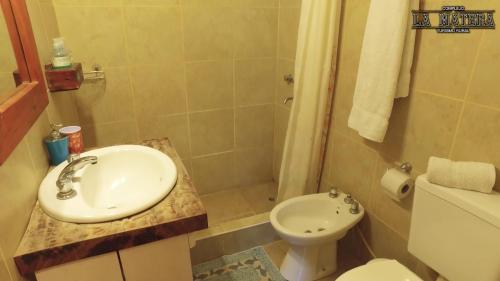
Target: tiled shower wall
[200, 72]
[453, 111]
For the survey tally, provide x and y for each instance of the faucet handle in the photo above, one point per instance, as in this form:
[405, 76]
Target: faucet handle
[354, 207]
[73, 156]
[348, 198]
[333, 192]
[66, 190]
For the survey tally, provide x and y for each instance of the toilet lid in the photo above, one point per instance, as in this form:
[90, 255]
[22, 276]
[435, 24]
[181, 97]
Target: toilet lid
[386, 270]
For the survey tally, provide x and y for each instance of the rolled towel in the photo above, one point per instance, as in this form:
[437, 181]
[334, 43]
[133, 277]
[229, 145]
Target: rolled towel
[464, 175]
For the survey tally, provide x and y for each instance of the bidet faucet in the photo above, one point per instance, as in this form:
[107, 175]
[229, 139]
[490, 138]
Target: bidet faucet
[348, 198]
[354, 207]
[65, 179]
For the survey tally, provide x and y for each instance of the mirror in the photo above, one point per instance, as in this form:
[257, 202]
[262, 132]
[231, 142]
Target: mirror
[7, 62]
[21, 106]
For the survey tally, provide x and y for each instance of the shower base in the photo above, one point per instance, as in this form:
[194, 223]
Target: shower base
[240, 202]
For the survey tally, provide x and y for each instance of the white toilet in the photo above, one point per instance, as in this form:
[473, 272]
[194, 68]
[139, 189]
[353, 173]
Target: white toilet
[456, 232]
[380, 270]
[312, 225]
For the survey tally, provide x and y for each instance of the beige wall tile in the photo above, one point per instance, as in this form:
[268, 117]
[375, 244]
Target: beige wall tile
[62, 108]
[208, 3]
[352, 167]
[254, 166]
[49, 21]
[214, 173]
[254, 126]
[210, 85]
[257, 3]
[159, 90]
[290, 3]
[150, 2]
[153, 34]
[188, 165]
[104, 101]
[450, 74]
[88, 2]
[208, 32]
[255, 33]
[123, 132]
[6, 52]
[255, 82]
[93, 34]
[212, 131]
[175, 127]
[36, 146]
[4, 272]
[19, 186]
[421, 125]
[477, 137]
[288, 31]
[7, 85]
[37, 25]
[483, 88]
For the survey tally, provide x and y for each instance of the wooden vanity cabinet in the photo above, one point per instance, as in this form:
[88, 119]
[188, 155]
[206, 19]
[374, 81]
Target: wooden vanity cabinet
[163, 260]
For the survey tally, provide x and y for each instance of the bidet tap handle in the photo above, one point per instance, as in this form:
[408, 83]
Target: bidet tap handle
[348, 198]
[333, 193]
[354, 207]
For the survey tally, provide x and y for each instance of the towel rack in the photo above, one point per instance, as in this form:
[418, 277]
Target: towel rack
[95, 74]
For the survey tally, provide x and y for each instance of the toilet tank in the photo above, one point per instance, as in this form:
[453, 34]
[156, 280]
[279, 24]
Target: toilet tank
[456, 232]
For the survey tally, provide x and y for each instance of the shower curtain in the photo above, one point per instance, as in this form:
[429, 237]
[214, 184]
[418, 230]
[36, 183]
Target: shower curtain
[317, 40]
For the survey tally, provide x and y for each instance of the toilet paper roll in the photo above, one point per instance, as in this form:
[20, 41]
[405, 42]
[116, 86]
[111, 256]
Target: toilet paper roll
[396, 184]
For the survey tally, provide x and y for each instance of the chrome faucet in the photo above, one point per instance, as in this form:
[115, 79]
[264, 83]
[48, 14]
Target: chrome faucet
[65, 179]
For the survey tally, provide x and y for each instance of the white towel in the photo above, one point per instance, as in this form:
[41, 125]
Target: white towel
[464, 175]
[384, 66]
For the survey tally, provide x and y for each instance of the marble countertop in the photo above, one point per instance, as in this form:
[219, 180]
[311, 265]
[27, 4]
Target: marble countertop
[48, 242]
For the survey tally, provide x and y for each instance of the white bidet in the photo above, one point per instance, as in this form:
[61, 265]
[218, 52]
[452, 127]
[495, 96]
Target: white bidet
[312, 225]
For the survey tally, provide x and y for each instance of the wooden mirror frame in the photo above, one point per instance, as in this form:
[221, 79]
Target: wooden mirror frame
[29, 99]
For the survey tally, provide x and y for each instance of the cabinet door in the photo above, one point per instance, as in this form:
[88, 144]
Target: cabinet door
[103, 267]
[164, 260]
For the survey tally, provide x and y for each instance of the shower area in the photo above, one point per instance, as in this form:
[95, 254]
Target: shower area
[209, 75]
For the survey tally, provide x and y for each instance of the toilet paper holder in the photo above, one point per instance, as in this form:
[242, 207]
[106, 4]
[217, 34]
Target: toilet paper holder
[405, 167]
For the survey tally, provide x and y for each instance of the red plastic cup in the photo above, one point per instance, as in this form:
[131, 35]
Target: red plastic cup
[75, 138]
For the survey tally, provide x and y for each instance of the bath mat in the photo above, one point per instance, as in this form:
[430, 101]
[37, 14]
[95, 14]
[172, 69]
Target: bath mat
[249, 265]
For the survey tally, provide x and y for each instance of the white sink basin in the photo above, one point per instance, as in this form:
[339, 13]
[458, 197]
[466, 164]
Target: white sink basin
[127, 179]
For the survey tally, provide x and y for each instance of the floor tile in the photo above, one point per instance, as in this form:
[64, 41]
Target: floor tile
[258, 196]
[226, 205]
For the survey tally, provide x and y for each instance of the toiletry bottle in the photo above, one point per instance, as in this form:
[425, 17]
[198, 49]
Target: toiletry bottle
[62, 57]
[57, 146]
